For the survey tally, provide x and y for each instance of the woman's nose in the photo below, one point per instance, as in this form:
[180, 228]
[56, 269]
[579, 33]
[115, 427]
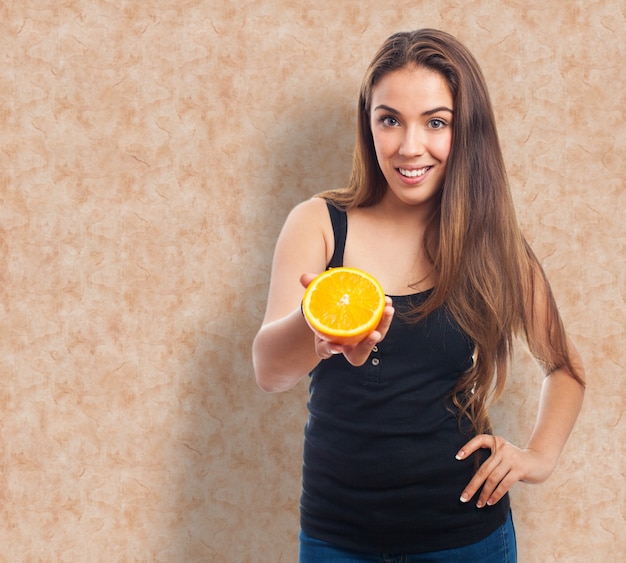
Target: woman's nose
[413, 142]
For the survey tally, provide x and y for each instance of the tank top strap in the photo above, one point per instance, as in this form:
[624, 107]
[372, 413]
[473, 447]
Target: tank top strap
[339, 220]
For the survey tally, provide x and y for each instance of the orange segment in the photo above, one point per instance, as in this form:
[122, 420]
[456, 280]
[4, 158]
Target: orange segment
[344, 304]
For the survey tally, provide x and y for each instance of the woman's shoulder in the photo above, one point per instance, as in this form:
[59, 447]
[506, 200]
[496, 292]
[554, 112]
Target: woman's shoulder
[313, 211]
[315, 203]
[307, 222]
[313, 217]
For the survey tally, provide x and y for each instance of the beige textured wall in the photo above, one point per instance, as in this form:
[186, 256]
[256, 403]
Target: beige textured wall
[149, 152]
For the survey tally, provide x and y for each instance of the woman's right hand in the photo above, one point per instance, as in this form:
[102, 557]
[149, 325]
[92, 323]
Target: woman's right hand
[357, 354]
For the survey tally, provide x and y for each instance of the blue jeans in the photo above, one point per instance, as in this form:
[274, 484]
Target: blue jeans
[499, 547]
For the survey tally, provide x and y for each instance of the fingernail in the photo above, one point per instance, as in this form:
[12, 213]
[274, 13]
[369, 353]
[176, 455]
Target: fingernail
[464, 498]
[460, 455]
[479, 504]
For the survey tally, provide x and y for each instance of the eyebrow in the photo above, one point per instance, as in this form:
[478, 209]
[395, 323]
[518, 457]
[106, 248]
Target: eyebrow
[428, 112]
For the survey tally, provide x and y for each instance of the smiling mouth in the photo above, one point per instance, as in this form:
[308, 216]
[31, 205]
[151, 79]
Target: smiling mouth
[414, 173]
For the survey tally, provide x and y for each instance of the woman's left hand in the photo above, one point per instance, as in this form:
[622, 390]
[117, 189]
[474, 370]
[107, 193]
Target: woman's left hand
[506, 465]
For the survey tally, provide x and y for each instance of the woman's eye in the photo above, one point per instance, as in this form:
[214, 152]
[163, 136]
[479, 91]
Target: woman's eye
[389, 121]
[437, 123]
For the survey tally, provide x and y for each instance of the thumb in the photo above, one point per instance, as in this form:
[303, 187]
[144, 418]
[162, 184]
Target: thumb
[306, 279]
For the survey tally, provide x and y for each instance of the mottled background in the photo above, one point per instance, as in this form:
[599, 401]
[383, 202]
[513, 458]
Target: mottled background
[149, 153]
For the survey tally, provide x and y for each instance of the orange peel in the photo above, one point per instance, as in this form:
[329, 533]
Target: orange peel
[343, 304]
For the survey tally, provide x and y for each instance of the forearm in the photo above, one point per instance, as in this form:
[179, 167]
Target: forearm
[283, 352]
[560, 404]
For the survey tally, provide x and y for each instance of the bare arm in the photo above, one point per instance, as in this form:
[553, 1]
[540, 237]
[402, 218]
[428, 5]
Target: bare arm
[560, 403]
[561, 400]
[561, 393]
[284, 348]
[283, 353]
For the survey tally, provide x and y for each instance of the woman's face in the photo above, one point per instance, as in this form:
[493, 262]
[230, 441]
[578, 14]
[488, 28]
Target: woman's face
[411, 120]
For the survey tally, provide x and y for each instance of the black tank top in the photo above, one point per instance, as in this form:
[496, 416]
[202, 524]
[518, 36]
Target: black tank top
[379, 472]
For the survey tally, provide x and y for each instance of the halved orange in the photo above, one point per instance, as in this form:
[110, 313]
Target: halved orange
[344, 304]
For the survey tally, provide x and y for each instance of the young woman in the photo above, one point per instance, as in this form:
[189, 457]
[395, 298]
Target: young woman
[399, 460]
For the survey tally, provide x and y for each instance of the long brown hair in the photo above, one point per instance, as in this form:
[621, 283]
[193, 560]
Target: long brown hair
[487, 275]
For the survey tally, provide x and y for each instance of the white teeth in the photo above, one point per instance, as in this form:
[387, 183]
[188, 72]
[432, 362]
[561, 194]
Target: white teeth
[414, 173]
